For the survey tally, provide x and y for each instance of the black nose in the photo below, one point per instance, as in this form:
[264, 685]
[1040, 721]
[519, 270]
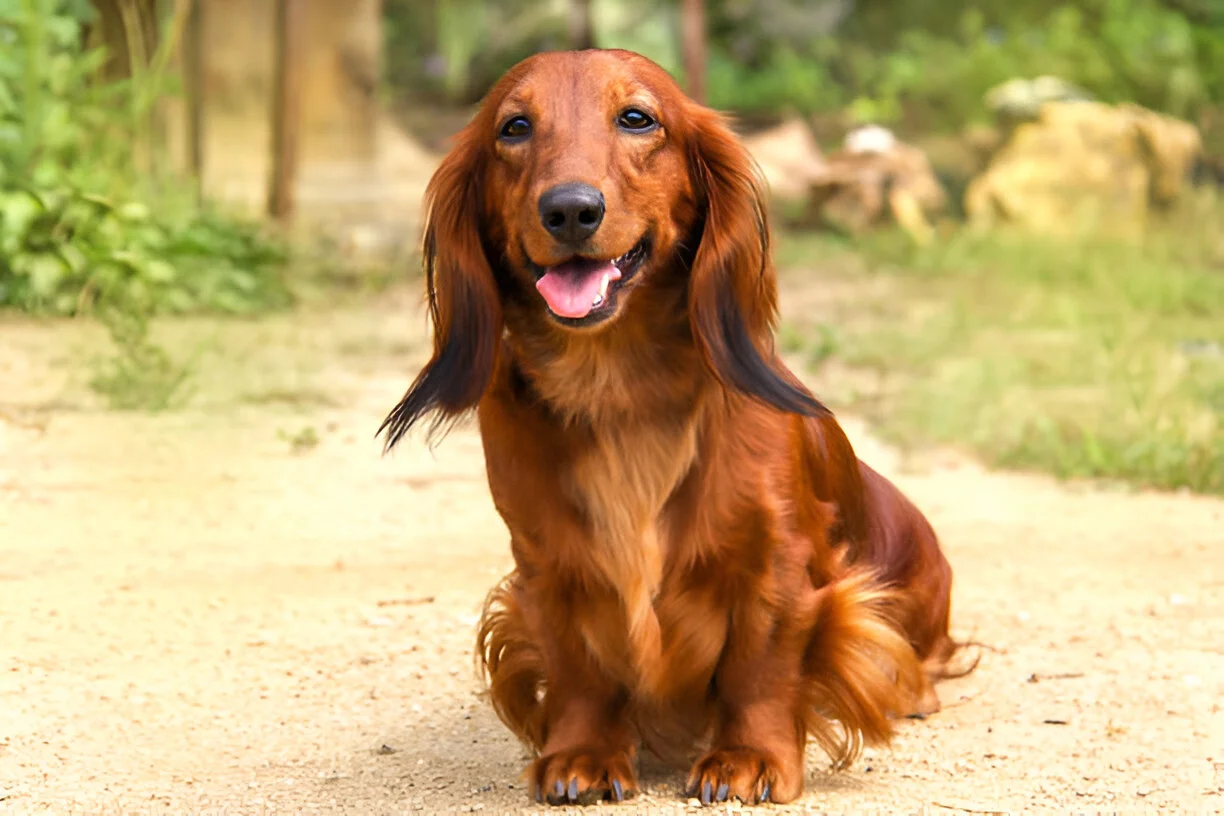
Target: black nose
[572, 212]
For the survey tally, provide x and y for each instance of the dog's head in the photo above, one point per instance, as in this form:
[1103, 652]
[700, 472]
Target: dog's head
[584, 177]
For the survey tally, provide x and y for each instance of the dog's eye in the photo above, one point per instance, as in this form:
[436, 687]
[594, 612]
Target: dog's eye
[516, 129]
[634, 119]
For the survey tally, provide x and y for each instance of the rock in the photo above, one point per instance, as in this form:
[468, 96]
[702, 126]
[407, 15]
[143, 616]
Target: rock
[1021, 99]
[1173, 147]
[981, 142]
[875, 178]
[789, 158]
[870, 139]
[1084, 167]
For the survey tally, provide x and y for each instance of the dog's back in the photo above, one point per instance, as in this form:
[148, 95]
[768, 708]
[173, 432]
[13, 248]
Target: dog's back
[883, 529]
[901, 544]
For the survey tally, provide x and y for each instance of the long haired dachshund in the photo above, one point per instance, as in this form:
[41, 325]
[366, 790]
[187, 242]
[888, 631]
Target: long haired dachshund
[702, 565]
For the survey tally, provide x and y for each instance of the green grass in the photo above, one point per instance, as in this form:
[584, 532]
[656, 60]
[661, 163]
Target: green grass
[1100, 360]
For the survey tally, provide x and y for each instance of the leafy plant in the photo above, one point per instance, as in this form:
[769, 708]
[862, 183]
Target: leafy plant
[86, 226]
[141, 374]
[64, 250]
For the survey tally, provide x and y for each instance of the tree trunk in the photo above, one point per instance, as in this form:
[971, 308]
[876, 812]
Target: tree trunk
[693, 44]
[286, 106]
[193, 82]
[581, 29]
[128, 29]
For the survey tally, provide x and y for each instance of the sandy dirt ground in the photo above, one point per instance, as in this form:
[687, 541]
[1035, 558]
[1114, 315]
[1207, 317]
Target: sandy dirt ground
[241, 607]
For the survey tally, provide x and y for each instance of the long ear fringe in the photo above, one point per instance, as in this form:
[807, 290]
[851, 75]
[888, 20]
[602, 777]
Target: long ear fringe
[733, 290]
[463, 301]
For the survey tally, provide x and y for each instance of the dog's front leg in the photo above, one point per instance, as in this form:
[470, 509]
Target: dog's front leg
[757, 751]
[588, 752]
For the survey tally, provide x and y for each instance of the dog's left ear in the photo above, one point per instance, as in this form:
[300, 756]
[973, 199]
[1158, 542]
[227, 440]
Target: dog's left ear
[464, 305]
[733, 290]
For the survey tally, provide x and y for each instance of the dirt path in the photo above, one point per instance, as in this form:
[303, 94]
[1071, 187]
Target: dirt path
[195, 617]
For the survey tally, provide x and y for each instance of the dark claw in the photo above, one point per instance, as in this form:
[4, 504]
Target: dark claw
[539, 795]
[572, 793]
[618, 791]
[765, 792]
[707, 793]
[559, 790]
[723, 789]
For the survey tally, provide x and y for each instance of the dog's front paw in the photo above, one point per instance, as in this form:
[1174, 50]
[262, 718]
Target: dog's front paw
[747, 774]
[584, 775]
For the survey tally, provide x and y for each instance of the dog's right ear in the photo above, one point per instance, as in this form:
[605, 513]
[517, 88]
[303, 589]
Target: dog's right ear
[464, 306]
[733, 290]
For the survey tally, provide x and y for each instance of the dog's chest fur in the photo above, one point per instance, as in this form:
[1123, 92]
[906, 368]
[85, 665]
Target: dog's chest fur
[622, 483]
[621, 480]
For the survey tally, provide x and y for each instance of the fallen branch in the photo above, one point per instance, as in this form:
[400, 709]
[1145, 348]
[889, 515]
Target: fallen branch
[968, 808]
[965, 699]
[428, 599]
[16, 421]
[1035, 677]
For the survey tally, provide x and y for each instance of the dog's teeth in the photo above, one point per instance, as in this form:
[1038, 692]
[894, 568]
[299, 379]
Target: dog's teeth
[598, 300]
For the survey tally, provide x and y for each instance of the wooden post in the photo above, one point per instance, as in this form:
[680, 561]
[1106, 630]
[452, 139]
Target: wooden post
[581, 29]
[286, 107]
[693, 44]
[193, 80]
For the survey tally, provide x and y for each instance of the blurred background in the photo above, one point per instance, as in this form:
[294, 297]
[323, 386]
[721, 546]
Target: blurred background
[1017, 200]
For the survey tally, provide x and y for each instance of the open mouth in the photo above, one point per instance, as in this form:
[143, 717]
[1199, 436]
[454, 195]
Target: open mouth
[583, 289]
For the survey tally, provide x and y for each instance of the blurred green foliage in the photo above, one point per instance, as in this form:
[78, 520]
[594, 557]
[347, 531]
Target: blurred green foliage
[925, 62]
[83, 223]
[937, 65]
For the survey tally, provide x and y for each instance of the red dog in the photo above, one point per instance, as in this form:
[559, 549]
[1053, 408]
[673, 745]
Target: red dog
[701, 560]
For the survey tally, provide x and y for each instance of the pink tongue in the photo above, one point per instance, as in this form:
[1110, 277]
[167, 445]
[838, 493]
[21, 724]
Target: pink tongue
[571, 288]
